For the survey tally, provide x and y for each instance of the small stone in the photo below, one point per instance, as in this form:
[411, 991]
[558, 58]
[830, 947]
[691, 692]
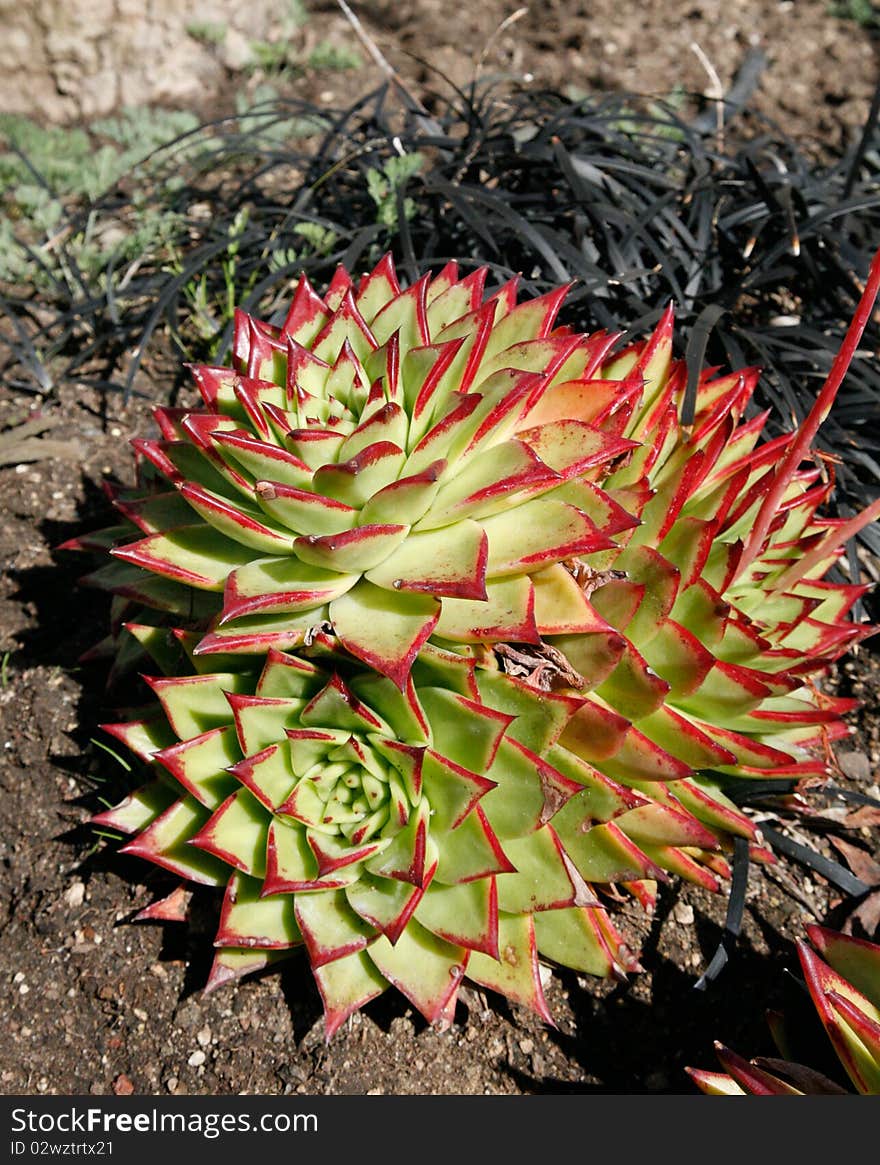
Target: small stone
[75, 894]
[204, 1037]
[526, 1047]
[122, 1086]
[235, 50]
[683, 913]
[856, 765]
[171, 1083]
[197, 1059]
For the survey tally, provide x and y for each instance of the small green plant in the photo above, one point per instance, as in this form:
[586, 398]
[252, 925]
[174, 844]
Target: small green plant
[861, 12]
[317, 240]
[45, 170]
[384, 183]
[111, 752]
[208, 32]
[210, 311]
[334, 58]
[294, 16]
[273, 56]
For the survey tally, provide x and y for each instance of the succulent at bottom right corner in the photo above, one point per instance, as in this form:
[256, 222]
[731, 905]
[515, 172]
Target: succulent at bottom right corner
[842, 976]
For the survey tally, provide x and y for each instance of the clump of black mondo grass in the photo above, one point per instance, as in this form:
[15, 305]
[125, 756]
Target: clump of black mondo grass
[761, 245]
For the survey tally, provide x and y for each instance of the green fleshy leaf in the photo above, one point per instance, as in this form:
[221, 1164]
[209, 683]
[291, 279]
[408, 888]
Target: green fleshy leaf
[266, 462]
[633, 689]
[237, 834]
[346, 985]
[334, 707]
[329, 926]
[355, 482]
[541, 881]
[239, 521]
[159, 594]
[465, 915]
[383, 628]
[507, 614]
[515, 974]
[282, 585]
[661, 581]
[290, 858]
[703, 612]
[855, 960]
[232, 963]
[539, 717]
[303, 511]
[469, 851]
[494, 476]
[594, 656]
[193, 465]
[383, 903]
[261, 722]
[196, 704]
[436, 667]
[141, 807]
[679, 658]
[287, 677]
[401, 315]
[679, 735]
[536, 534]
[463, 730]
[726, 692]
[599, 853]
[156, 513]
[144, 737]
[401, 712]
[200, 764]
[437, 562]
[411, 854]
[162, 646]
[389, 424]
[249, 920]
[310, 747]
[404, 501]
[425, 968]
[166, 841]
[571, 938]
[601, 798]
[268, 774]
[516, 806]
[198, 556]
[451, 791]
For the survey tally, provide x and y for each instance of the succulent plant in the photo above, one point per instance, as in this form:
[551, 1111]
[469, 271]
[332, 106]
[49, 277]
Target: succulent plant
[620, 593]
[844, 987]
[403, 837]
